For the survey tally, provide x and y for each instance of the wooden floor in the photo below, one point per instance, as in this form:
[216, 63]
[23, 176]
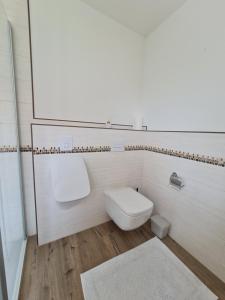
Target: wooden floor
[52, 271]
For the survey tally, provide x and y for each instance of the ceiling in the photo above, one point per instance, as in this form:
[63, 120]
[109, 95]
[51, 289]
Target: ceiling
[142, 16]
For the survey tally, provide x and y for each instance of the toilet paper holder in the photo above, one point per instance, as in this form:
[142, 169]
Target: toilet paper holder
[176, 181]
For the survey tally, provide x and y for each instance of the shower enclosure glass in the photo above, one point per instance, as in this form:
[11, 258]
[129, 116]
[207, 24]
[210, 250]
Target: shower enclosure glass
[12, 229]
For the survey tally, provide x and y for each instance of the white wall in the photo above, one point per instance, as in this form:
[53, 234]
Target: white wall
[11, 212]
[185, 69]
[7, 97]
[202, 144]
[184, 89]
[86, 66]
[106, 170]
[17, 14]
[196, 212]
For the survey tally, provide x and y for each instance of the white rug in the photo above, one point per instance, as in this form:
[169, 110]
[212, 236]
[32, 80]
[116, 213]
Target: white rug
[150, 271]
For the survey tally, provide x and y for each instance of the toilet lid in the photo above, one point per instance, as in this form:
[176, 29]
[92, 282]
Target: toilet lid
[131, 202]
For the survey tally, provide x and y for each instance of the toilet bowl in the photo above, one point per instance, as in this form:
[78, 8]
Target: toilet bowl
[127, 208]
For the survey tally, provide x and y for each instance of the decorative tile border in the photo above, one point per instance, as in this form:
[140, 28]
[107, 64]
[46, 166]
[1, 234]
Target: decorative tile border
[54, 150]
[185, 155]
[26, 148]
[6, 149]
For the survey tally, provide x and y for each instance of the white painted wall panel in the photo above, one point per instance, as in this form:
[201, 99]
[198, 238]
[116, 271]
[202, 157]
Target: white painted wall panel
[185, 69]
[87, 67]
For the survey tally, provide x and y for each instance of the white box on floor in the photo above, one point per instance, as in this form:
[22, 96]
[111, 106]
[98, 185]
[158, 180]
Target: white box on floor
[159, 226]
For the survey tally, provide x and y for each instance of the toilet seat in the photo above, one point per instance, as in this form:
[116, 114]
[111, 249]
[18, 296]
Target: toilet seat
[127, 208]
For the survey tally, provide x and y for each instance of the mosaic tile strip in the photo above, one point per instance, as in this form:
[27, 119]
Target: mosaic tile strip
[6, 149]
[191, 156]
[26, 148]
[185, 155]
[54, 150]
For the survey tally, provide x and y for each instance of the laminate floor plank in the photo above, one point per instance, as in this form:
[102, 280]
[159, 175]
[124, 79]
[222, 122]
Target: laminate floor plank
[52, 271]
[30, 285]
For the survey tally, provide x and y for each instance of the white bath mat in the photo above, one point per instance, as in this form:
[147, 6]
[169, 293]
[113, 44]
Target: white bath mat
[148, 272]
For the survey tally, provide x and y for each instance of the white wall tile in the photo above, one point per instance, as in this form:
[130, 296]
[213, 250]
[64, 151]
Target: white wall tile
[8, 134]
[25, 135]
[28, 189]
[197, 212]
[23, 91]
[105, 170]
[205, 144]
[25, 113]
[7, 112]
[47, 136]
[22, 67]
[17, 12]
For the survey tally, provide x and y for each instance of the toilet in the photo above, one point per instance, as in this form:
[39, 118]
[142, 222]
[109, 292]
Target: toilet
[127, 208]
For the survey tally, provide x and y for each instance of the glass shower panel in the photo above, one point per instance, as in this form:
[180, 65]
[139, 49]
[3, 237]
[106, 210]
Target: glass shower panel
[1, 297]
[12, 232]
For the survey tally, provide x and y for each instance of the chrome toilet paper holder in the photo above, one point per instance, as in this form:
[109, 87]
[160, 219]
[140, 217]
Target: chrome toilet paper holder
[176, 180]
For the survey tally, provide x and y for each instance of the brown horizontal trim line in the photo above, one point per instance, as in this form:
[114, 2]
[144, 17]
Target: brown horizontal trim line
[75, 121]
[90, 127]
[187, 131]
[93, 149]
[33, 94]
[145, 128]
[94, 123]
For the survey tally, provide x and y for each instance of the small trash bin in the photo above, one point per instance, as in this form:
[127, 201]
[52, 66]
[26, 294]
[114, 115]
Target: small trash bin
[159, 226]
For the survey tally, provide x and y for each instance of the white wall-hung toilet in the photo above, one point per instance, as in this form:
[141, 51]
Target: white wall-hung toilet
[127, 208]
